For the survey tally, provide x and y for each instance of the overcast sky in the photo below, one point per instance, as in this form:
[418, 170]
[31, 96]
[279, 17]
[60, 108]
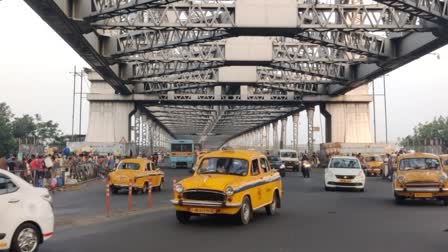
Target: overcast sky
[35, 66]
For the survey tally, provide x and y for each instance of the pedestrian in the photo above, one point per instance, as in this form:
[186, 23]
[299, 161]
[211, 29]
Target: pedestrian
[306, 166]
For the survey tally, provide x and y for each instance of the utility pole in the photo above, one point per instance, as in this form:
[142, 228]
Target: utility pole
[80, 105]
[374, 111]
[73, 111]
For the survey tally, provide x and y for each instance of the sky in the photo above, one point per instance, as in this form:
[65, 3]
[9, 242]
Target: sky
[36, 66]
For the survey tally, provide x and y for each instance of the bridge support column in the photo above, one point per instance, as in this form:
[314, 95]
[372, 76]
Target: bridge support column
[295, 131]
[283, 133]
[310, 115]
[275, 135]
[109, 122]
[264, 141]
[348, 122]
[267, 129]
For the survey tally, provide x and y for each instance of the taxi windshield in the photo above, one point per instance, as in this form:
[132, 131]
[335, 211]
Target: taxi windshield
[344, 163]
[128, 166]
[288, 154]
[229, 166]
[373, 159]
[419, 164]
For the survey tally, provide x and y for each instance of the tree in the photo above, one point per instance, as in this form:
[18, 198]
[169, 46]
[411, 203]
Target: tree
[47, 132]
[23, 127]
[7, 142]
[424, 133]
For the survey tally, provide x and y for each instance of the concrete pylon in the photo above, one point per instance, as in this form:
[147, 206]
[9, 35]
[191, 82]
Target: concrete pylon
[265, 143]
[283, 133]
[268, 132]
[275, 136]
[295, 130]
[310, 115]
[109, 122]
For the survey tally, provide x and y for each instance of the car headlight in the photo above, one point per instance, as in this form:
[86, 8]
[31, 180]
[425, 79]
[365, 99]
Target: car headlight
[443, 179]
[401, 180]
[179, 188]
[360, 174]
[229, 191]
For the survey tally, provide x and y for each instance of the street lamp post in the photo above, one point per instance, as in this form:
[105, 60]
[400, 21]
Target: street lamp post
[385, 108]
[374, 111]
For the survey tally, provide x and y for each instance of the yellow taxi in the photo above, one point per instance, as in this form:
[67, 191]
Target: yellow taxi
[229, 182]
[139, 171]
[420, 176]
[375, 164]
[444, 160]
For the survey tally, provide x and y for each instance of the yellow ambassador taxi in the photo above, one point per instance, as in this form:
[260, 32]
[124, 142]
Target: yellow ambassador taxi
[139, 170]
[444, 160]
[229, 182]
[375, 164]
[420, 176]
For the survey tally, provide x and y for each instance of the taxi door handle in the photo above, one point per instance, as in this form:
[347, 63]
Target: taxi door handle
[13, 201]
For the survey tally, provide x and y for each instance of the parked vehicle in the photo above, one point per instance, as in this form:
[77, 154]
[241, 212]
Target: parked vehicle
[231, 183]
[137, 170]
[420, 176]
[290, 159]
[344, 172]
[375, 165]
[26, 218]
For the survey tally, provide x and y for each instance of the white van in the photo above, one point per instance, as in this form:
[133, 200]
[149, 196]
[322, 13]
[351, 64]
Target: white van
[290, 158]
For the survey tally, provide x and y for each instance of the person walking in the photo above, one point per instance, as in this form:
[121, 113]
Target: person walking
[306, 166]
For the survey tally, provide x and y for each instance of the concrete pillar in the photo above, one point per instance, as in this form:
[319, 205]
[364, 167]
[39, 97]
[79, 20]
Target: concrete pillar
[275, 136]
[264, 143]
[267, 131]
[283, 133]
[310, 115]
[295, 131]
[151, 136]
[348, 122]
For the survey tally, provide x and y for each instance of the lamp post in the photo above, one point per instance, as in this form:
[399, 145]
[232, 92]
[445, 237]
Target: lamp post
[385, 109]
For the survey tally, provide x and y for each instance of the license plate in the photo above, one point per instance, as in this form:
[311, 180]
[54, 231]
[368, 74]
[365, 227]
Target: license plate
[203, 210]
[423, 195]
[345, 180]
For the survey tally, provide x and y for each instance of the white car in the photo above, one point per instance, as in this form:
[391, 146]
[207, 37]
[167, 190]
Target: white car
[26, 218]
[344, 172]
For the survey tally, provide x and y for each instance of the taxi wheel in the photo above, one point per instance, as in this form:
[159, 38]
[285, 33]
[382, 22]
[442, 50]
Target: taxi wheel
[183, 217]
[245, 213]
[399, 199]
[445, 202]
[271, 208]
[160, 187]
[114, 190]
[26, 238]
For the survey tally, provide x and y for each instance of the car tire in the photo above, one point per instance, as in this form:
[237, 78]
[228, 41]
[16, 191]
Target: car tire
[445, 202]
[114, 190]
[159, 188]
[271, 209]
[183, 217]
[244, 216]
[362, 190]
[32, 234]
[399, 200]
[327, 188]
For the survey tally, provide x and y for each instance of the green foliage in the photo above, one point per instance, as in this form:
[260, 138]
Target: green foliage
[30, 129]
[424, 132]
[7, 142]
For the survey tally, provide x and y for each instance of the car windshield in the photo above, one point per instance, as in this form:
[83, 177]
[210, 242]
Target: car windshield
[419, 164]
[274, 159]
[373, 159]
[288, 154]
[128, 166]
[229, 166]
[344, 163]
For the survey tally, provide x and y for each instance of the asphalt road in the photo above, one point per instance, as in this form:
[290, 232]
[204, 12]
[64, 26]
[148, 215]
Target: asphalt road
[310, 220]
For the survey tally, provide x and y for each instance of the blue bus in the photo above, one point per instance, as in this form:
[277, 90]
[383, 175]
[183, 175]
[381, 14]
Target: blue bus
[182, 153]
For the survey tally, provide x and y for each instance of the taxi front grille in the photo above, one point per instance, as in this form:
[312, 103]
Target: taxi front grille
[344, 177]
[204, 195]
[422, 184]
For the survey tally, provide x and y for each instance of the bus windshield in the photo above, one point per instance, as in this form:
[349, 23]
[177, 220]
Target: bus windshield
[181, 147]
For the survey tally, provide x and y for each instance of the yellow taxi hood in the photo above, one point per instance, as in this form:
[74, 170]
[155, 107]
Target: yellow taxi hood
[375, 163]
[422, 175]
[216, 182]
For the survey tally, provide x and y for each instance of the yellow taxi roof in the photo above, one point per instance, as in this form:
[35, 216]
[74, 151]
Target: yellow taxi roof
[444, 156]
[135, 160]
[418, 155]
[241, 154]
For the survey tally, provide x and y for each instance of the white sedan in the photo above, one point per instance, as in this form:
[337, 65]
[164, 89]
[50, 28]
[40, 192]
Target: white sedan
[26, 217]
[344, 172]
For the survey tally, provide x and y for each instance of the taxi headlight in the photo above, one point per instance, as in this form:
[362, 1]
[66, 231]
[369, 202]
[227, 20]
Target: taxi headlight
[179, 188]
[443, 179]
[401, 180]
[229, 191]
